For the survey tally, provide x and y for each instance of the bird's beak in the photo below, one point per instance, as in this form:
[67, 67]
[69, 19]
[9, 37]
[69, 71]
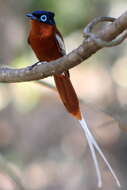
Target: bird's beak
[31, 16]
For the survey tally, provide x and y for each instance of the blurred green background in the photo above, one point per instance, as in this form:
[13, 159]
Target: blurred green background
[43, 144]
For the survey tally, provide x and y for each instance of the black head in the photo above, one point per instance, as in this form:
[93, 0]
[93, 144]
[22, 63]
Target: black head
[42, 16]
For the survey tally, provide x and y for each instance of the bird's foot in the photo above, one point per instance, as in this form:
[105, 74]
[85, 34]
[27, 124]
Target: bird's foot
[36, 64]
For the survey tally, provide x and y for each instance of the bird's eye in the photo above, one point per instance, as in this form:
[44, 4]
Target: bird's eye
[43, 18]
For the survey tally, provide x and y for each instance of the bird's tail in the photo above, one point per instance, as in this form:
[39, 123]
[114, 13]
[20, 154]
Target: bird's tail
[68, 94]
[70, 100]
[94, 146]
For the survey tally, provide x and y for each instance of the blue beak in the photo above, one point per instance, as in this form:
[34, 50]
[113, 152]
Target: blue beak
[31, 16]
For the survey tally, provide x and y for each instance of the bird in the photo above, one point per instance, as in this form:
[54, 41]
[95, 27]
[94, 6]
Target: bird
[48, 44]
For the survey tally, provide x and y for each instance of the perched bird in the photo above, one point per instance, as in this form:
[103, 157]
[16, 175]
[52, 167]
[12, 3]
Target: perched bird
[48, 45]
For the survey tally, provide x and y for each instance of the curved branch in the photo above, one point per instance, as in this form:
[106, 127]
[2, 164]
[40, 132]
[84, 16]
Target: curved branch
[85, 50]
[102, 43]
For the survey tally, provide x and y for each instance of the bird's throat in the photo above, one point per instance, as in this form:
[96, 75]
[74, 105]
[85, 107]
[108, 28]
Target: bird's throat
[42, 30]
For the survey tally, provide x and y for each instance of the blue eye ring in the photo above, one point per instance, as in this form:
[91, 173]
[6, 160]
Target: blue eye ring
[43, 18]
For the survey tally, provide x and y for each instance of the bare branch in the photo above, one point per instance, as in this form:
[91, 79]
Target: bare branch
[85, 50]
[102, 43]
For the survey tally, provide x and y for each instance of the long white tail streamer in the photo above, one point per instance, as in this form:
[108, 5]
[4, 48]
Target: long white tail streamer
[94, 160]
[93, 145]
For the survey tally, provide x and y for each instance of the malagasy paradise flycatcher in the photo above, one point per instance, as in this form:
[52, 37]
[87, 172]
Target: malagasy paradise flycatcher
[48, 45]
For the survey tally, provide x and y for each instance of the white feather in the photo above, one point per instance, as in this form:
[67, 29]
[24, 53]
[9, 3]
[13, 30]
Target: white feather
[93, 145]
[61, 44]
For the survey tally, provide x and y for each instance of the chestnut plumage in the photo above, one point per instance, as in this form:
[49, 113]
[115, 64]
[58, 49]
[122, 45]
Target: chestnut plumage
[48, 45]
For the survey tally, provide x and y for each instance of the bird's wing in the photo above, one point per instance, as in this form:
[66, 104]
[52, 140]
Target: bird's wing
[28, 40]
[61, 47]
[60, 44]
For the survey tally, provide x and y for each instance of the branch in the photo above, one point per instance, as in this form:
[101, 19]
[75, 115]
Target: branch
[99, 41]
[88, 47]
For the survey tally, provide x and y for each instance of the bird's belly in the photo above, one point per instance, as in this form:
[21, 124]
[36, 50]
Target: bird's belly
[45, 50]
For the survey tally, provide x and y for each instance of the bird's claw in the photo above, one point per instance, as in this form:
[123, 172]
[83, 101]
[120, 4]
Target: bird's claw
[36, 64]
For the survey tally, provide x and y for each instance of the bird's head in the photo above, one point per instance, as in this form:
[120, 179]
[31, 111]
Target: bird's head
[42, 16]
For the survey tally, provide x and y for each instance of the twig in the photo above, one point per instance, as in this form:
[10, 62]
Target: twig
[46, 84]
[102, 43]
